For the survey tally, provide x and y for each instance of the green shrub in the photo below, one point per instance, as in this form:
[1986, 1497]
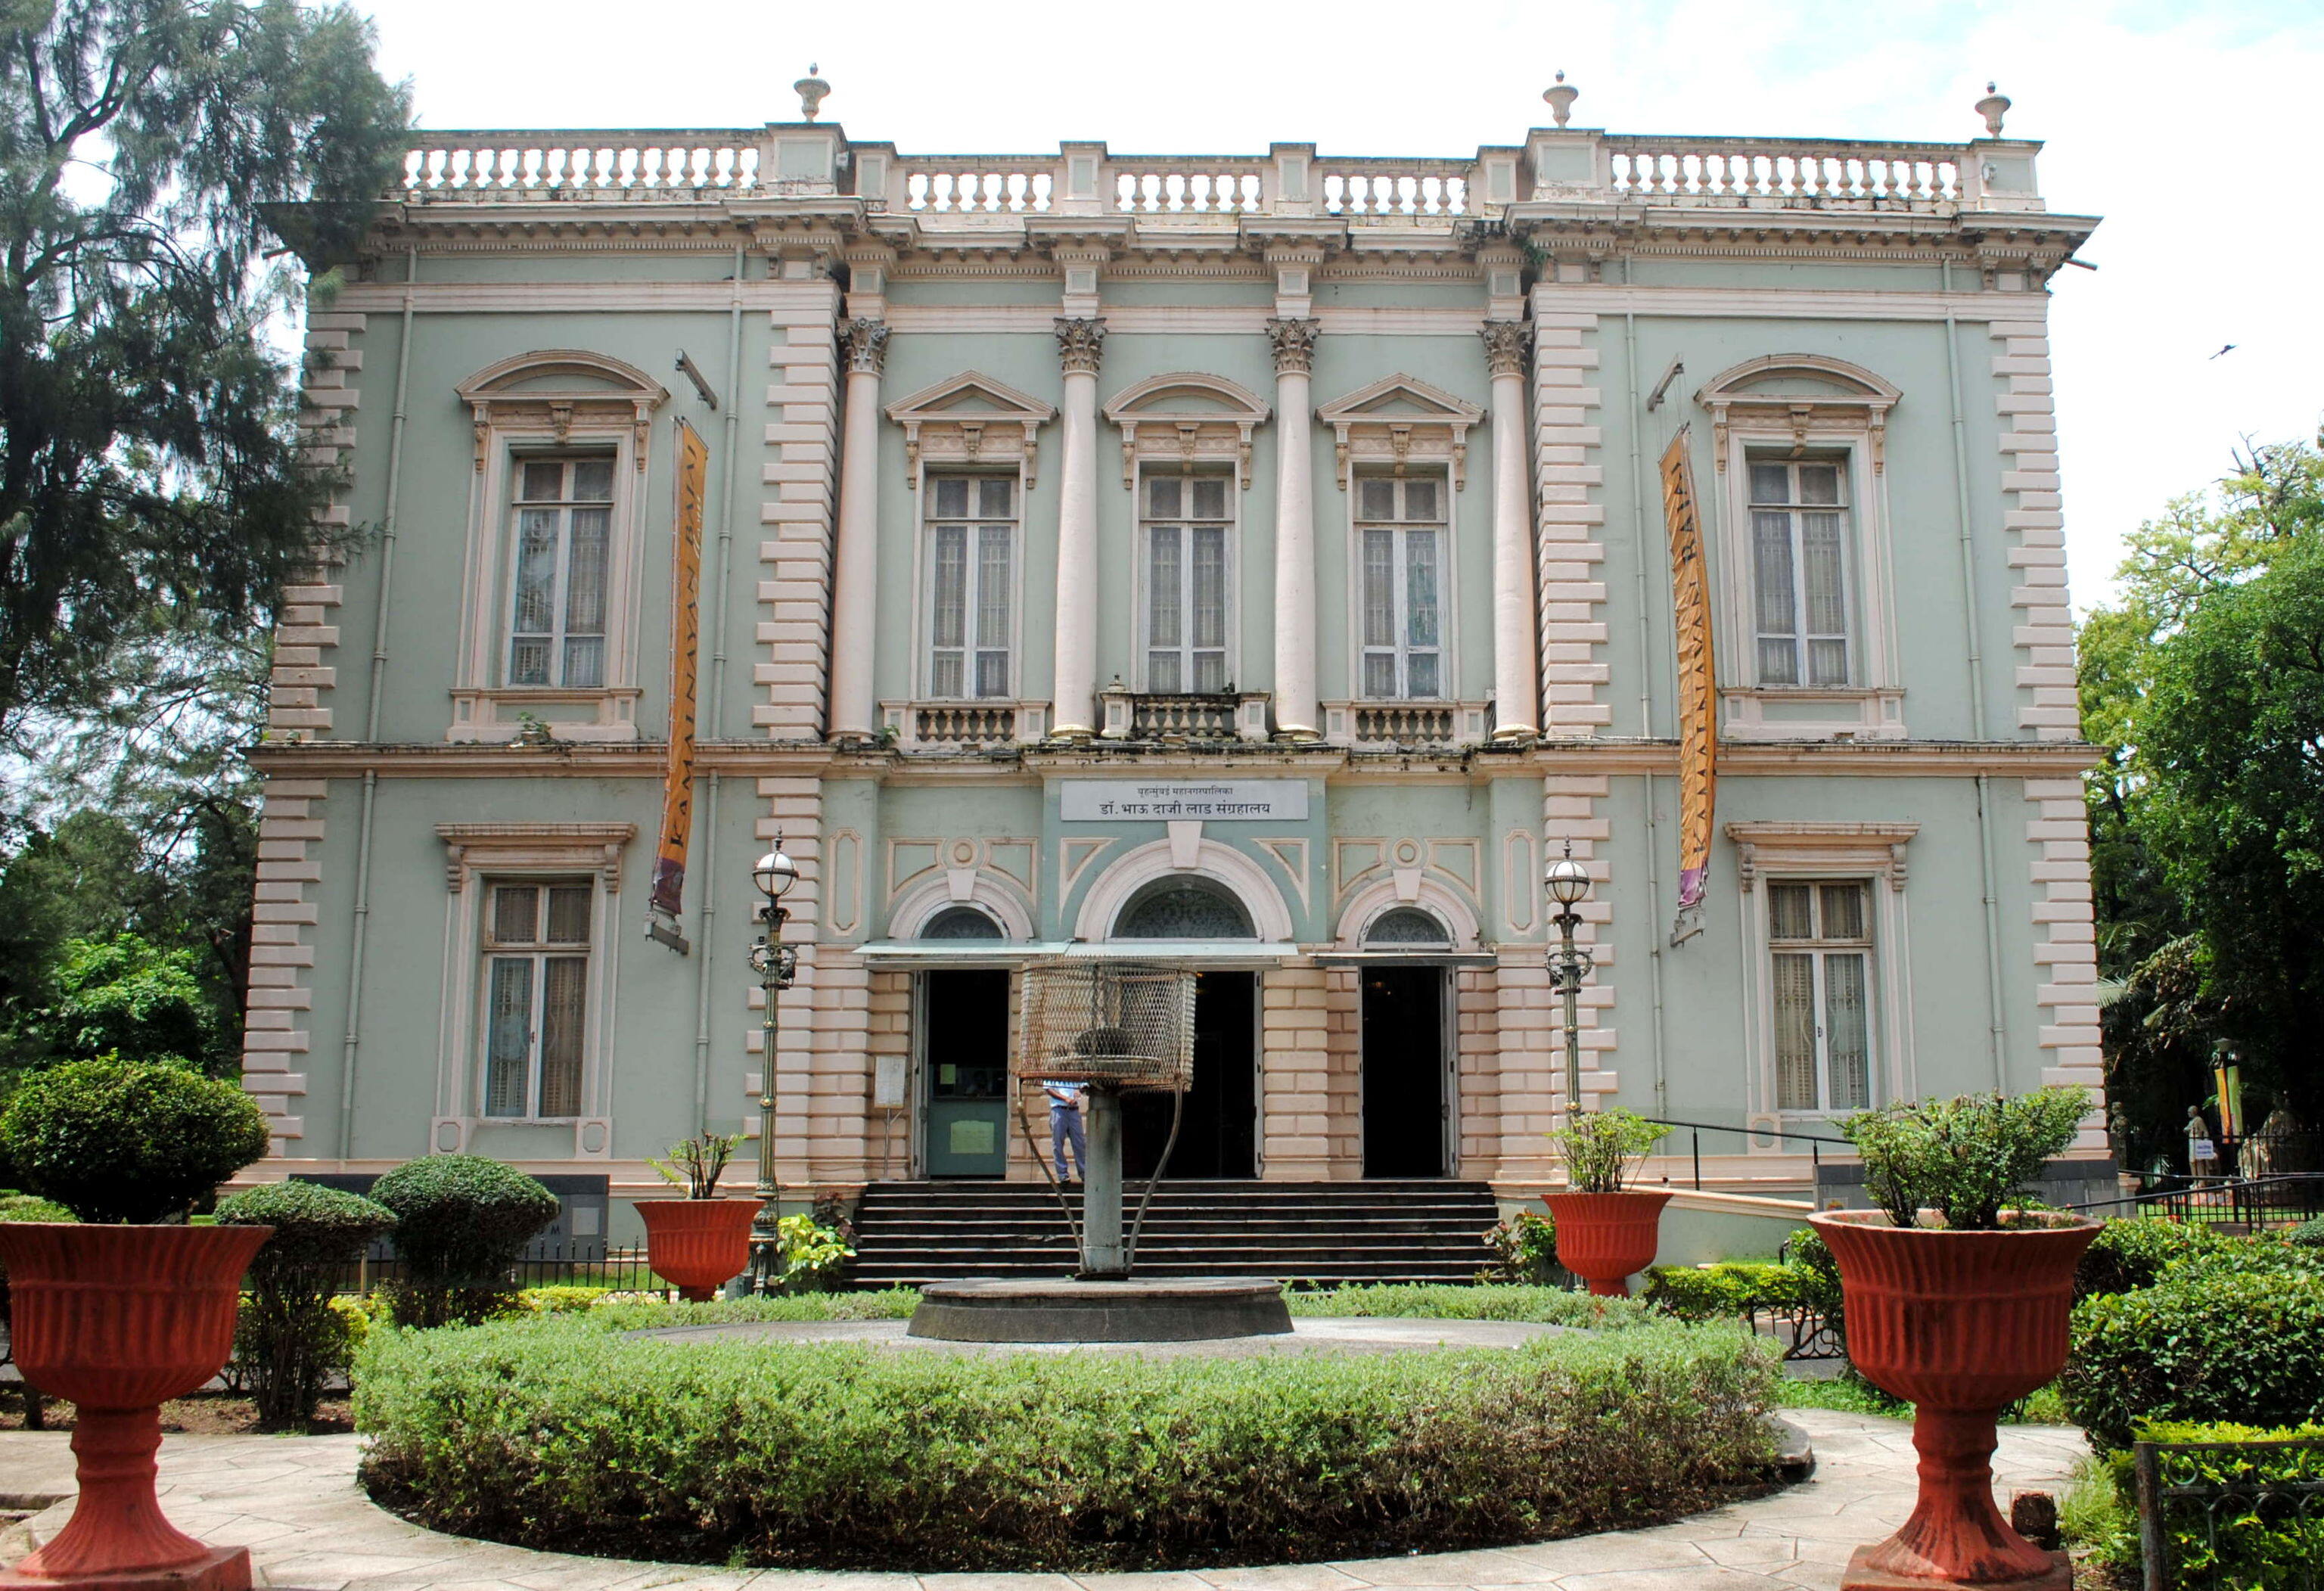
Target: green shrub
[289, 1339]
[562, 1300]
[2255, 1544]
[1602, 1148]
[1726, 1291]
[1806, 1252]
[127, 1141]
[462, 1220]
[1965, 1158]
[2133, 1253]
[2197, 1345]
[1524, 1251]
[565, 1432]
[28, 1206]
[126, 996]
[815, 1256]
[1548, 1306]
[2309, 1234]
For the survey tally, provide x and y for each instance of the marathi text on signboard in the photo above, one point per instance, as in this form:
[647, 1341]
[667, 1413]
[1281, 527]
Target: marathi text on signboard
[1221, 800]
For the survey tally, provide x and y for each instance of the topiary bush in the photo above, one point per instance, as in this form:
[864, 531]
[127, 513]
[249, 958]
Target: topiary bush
[2198, 1347]
[2309, 1234]
[564, 1432]
[129, 1140]
[461, 1222]
[287, 1338]
[2133, 1253]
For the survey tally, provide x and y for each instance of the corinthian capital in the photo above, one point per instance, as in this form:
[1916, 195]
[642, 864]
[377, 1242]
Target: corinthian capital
[1505, 347]
[1295, 344]
[866, 344]
[1080, 344]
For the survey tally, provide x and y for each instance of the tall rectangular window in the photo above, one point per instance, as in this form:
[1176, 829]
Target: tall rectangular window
[1821, 936]
[562, 521]
[1799, 570]
[536, 997]
[972, 584]
[1186, 581]
[1399, 576]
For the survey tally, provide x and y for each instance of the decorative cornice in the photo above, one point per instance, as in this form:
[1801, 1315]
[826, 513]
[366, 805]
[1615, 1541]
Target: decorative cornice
[1080, 344]
[1295, 344]
[1505, 347]
[866, 345]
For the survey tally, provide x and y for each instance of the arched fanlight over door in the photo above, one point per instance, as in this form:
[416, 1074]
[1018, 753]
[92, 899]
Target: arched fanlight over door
[961, 922]
[1407, 928]
[1183, 908]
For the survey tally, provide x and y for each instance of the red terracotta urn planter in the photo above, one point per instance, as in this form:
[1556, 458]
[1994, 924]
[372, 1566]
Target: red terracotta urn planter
[118, 1319]
[1607, 1238]
[1961, 1324]
[697, 1245]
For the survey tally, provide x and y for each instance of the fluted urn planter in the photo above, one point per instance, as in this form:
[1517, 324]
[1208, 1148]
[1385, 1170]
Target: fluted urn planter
[119, 1319]
[1607, 1238]
[1961, 1324]
[697, 1245]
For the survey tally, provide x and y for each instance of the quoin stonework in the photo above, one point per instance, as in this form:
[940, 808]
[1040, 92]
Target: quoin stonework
[1257, 561]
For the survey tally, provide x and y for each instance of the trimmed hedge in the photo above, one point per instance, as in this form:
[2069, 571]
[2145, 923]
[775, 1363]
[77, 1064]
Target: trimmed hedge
[462, 1220]
[1726, 1291]
[2202, 1344]
[288, 1337]
[562, 1432]
[2133, 1252]
[129, 1140]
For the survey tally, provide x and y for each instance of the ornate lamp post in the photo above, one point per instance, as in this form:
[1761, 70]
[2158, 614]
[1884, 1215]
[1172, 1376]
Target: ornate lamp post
[777, 964]
[1568, 884]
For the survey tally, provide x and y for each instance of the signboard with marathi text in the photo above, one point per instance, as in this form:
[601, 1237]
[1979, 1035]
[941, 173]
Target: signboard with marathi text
[1214, 801]
[685, 658]
[1698, 700]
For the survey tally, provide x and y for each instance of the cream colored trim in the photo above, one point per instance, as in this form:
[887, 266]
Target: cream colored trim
[1133, 869]
[1000, 899]
[935, 434]
[1866, 851]
[1408, 887]
[1153, 429]
[1364, 435]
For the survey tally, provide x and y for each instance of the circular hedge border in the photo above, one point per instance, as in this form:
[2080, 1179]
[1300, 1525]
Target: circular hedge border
[563, 1433]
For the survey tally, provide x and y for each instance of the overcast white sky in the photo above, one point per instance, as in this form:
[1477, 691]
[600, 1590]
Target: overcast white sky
[2191, 127]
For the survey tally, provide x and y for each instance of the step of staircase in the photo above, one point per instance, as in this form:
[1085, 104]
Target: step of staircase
[912, 1232]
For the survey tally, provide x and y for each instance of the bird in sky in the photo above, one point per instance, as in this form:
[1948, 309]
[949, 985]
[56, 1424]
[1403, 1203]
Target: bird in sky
[2228, 349]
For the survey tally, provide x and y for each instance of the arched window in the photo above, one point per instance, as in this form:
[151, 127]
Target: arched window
[1407, 926]
[1184, 907]
[961, 922]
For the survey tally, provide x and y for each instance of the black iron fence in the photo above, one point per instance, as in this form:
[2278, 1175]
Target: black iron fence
[2231, 1516]
[546, 1266]
[1816, 1142]
[2242, 1201]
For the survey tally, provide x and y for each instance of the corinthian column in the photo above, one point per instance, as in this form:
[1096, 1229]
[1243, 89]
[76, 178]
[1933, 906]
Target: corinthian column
[1080, 342]
[1516, 666]
[855, 558]
[1297, 713]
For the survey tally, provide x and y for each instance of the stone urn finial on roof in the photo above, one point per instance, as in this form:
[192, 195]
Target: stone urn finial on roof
[1993, 107]
[1561, 95]
[811, 91]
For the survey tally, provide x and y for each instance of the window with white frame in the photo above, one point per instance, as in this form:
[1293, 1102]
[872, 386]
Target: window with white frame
[1184, 529]
[1819, 936]
[1800, 578]
[1400, 535]
[562, 520]
[972, 543]
[535, 988]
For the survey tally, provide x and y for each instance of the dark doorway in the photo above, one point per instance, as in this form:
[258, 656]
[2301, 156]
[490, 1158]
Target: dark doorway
[1404, 1071]
[964, 1053]
[1219, 1137]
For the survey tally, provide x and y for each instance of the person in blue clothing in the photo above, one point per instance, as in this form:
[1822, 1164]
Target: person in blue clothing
[1065, 1128]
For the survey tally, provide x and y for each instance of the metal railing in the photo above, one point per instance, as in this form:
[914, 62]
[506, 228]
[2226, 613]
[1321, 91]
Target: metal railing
[2248, 1201]
[593, 1265]
[1815, 1141]
[2251, 1514]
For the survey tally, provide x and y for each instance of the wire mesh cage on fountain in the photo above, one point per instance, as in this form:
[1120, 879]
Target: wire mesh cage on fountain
[1124, 1022]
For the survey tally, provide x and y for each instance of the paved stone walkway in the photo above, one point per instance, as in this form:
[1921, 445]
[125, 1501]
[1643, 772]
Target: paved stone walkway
[294, 1502]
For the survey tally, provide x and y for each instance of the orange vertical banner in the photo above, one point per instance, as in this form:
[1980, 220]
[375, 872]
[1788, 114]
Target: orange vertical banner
[684, 658]
[1698, 701]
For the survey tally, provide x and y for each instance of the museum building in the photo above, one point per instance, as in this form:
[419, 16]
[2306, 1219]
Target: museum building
[1266, 562]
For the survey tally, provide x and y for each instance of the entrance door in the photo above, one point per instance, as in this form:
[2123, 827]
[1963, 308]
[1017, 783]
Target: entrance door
[1404, 1071]
[965, 1055]
[1219, 1134]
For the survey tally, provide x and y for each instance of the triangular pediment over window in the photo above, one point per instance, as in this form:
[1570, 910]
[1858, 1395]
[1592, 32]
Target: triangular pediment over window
[1400, 420]
[1801, 394]
[1188, 417]
[969, 419]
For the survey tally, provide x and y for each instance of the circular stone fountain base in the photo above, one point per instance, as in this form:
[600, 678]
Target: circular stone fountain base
[1161, 1311]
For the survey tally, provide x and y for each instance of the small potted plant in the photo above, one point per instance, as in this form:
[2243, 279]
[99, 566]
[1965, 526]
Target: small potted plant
[1606, 1232]
[1958, 1304]
[699, 1243]
[131, 1306]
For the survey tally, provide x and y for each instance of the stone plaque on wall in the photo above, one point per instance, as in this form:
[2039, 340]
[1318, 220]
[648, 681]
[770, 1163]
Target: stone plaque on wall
[1219, 800]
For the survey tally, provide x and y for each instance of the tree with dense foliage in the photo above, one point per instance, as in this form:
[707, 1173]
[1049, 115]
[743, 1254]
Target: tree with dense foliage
[2204, 686]
[151, 478]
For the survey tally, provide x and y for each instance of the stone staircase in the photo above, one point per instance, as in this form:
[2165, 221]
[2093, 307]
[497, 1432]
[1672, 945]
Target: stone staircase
[908, 1233]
